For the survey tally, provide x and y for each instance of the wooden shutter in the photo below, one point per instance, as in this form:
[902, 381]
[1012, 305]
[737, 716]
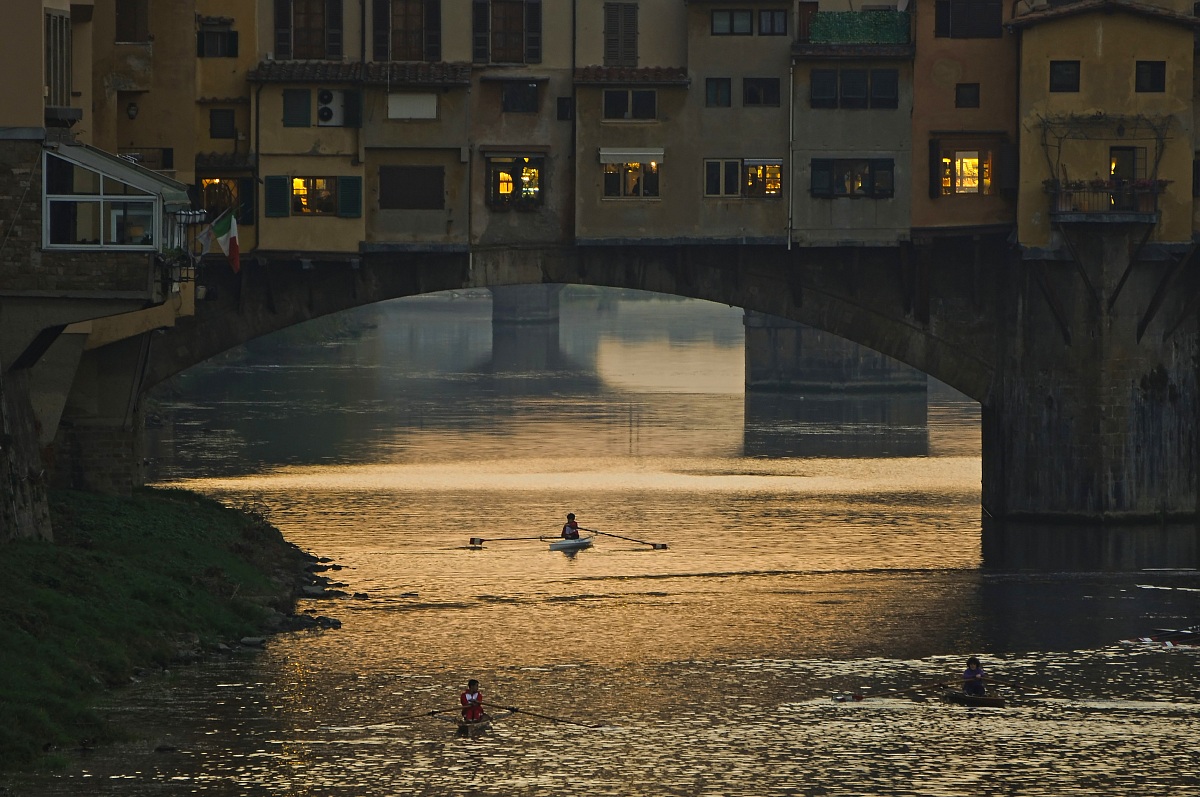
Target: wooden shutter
[349, 197]
[297, 108]
[381, 29]
[433, 30]
[232, 38]
[283, 29]
[629, 34]
[1007, 167]
[883, 177]
[352, 103]
[333, 28]
[277, 197]
[612, 34]
[246, 201]
[533, 31]
[481, 18]
[935, 168]
[941, 18]
[821, 177]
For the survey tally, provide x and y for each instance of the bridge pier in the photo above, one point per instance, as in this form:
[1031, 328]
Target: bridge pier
[1093, 415]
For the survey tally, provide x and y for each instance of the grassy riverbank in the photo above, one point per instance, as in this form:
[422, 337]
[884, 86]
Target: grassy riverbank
[129, 583]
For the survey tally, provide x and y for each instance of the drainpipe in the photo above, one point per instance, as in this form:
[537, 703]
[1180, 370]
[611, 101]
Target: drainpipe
[791, 149]
[574, 120]
[258, 163]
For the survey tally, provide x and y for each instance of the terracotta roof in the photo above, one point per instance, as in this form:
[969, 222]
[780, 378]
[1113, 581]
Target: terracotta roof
[224, 160]
[1088, 6]
[805, 50]
[648, 76]
[439, 73]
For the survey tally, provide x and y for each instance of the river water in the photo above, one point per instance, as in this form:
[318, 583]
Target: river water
[816, 546]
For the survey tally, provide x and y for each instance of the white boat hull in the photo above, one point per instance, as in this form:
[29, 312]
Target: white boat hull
[572, 545]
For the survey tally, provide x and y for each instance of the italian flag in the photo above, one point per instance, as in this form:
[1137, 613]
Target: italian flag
[224, 232]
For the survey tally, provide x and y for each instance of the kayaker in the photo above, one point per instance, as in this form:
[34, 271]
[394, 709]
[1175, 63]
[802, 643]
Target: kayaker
[570, 529]
[973, 677]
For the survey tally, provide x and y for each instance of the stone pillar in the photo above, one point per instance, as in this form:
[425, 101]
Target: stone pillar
[99, 442]
[784, 355]
[24, 512]
[525, 327]
[1093, 415]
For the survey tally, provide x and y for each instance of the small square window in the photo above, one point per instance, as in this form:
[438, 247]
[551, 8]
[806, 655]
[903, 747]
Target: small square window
[760, 91]
[221, 123]
[732, 23]
[1064, 76]
[1150, 76]
[519, 96]
[966, 95]
[718, 92]
[772, 23]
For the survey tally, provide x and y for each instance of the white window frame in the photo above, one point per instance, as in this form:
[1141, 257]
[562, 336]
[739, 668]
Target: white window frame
[105, 201]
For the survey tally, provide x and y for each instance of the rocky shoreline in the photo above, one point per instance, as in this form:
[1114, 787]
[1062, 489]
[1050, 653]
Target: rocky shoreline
[132, 586]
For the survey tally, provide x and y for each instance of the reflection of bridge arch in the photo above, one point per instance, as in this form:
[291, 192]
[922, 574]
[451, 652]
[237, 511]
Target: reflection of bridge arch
[1089, 406]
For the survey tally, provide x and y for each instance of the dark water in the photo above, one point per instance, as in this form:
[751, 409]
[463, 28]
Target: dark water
[817, 546]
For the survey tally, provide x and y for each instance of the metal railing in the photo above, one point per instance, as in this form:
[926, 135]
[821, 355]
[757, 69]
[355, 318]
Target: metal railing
[1115, 199]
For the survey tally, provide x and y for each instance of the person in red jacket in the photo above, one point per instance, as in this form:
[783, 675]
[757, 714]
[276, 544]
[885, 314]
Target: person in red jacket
[472, 702]
[570, 528]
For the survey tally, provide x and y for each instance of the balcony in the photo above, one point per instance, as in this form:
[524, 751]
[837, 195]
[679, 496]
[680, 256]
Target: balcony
[853, 34]
[1105, 201]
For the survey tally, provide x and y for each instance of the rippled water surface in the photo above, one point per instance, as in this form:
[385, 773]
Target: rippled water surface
[817, 546]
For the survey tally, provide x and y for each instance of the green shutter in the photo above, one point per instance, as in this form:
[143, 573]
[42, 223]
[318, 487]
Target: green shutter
[297, 108]
[352, 108]
[245, 196]
[821, 177]
[277, 197]
[349, 194]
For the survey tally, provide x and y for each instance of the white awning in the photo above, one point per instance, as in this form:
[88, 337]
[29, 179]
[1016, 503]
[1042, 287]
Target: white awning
[631, 155]
[173, 193]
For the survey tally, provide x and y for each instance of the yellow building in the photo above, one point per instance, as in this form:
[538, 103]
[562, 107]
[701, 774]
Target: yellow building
[1107, 113]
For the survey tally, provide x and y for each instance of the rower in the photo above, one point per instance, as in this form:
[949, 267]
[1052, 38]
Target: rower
[570, 529]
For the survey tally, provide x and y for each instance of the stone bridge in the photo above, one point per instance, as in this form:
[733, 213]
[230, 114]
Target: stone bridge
[1086, 369]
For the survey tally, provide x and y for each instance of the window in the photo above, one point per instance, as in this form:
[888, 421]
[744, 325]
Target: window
[620, 34]
[718, 92]
[412, 187]
[519, 96]
[133, 20]
[852, 177]
[87, 209]
[760, 91]
[772, 23]
[1127, 163]
[515, 182]
[1064, 76]
[967, 171]
[823, 88]
[630, 104]
[308, 29]
[763, 178]
[968, 19]
[506, 31]
[852, 88]
[221, 123]
[732, 23]
[219, 194]
[966, 95]
[407, 30]
[216, 39]
[415, 105]
[1150, 76]
[630, 180]
[58, 59]
[885, 88]
[297, 108]
[722, 178]
[312, 196]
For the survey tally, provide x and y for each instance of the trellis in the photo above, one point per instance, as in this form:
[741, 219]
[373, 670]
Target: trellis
[1057, 128]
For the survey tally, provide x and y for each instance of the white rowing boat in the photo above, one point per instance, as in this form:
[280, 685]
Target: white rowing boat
[572, 545]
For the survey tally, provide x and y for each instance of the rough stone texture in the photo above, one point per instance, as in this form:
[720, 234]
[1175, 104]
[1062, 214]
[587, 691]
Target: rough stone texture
[24, 266]
[97, 458]
[24, 512]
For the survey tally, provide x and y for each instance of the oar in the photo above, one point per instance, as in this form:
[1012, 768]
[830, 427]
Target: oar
[658, 546]
[433, 713]
[477, 541]
[516, 710]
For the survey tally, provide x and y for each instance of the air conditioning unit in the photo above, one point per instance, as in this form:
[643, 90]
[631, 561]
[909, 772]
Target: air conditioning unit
[331, 108]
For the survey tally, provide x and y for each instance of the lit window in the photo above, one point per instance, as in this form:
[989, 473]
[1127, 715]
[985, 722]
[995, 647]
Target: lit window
[314, 196]
[966, 172]
[853, 177]
[631, 180]
[515, 181]
[764, 178]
